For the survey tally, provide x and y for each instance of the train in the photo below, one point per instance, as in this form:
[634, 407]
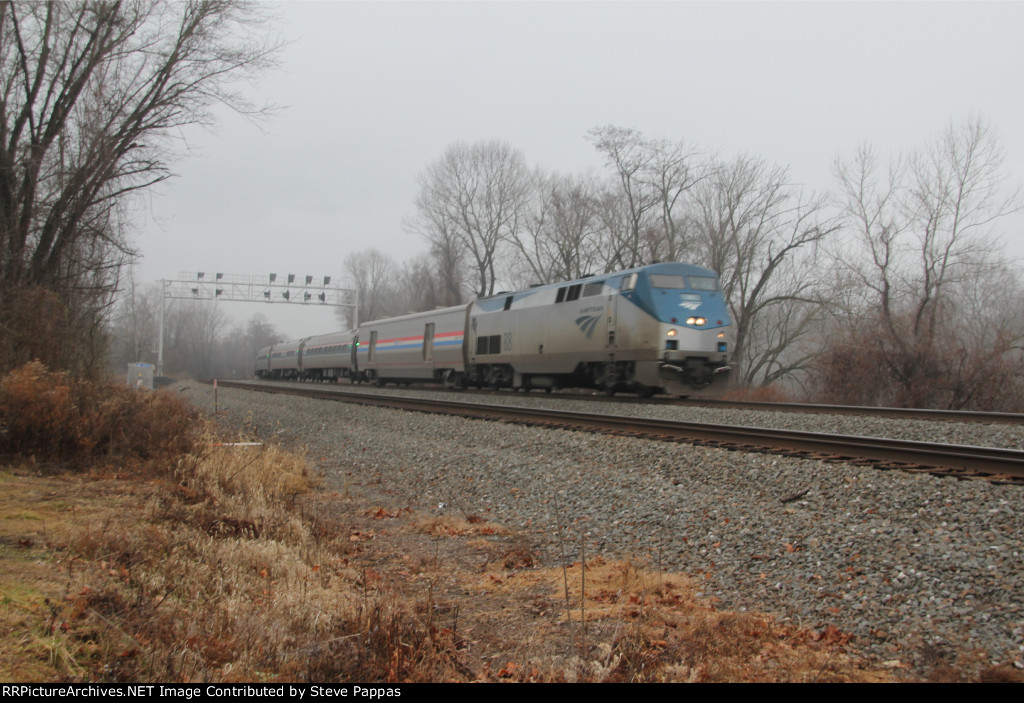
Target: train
[660, 328]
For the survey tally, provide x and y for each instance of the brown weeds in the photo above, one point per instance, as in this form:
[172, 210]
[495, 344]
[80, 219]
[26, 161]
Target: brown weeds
[216, 567]
[648, 626]
[57, 419]
[453, 526]
[222, 581]
[219, 563]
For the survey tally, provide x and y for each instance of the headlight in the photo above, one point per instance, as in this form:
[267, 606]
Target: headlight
[671, 333]
[696, 321]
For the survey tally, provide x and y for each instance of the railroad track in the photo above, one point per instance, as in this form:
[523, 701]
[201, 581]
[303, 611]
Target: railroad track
[969, 416]
[999, 465]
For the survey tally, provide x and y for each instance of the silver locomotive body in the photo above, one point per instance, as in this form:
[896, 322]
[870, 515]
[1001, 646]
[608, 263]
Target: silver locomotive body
[659, 328]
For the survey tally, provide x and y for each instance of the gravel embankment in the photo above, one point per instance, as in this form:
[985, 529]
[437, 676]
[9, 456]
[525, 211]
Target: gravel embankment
[919, 569]
[1006, 436]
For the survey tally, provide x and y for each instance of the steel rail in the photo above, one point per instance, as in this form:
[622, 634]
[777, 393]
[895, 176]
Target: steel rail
[911, 413]
[922, 455]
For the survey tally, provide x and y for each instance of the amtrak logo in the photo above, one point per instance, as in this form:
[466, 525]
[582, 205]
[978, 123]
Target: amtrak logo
[587, 323]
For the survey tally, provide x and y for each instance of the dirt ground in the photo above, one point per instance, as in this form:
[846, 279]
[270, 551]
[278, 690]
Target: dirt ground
[471, 594]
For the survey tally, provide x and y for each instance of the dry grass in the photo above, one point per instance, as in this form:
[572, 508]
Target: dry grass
[453, 526]
[224, 563]
[633, 625]
[206, 577]
[659, 631]
[54, 419]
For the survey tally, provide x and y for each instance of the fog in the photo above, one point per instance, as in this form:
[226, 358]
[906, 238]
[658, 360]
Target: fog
[368, 93]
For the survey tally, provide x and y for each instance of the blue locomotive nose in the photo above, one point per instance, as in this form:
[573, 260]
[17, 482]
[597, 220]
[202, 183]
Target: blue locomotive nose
[686, 295]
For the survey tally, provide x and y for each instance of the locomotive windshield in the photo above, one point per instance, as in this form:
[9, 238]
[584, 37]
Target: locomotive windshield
[665, 280]
[703, 283]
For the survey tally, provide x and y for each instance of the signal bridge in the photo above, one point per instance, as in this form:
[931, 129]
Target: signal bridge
[287, 288]
[272, 288]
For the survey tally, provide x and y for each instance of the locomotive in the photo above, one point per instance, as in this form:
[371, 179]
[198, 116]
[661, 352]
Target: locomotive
[654, 329]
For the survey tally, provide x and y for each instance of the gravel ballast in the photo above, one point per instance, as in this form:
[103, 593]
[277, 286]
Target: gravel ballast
[922, 571]
[1005, 436]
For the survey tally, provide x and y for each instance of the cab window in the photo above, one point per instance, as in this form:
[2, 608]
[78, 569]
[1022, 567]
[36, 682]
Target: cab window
[703, 282]
[666, 280]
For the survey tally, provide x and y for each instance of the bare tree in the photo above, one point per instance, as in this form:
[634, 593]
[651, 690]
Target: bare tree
[471, 201]
[761, 234]
[952, 198]
[922, 232]
[654, 177]
[91, 94]
[984, 340]
[559, 236]
[418, 286]
[674, 170]
[373, 274]
[236, 352]
[448, 253]
[134, 324]
[197, 339]
[199, 327]
[627, 154]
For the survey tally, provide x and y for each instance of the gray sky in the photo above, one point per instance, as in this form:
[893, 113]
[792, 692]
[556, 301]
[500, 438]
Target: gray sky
[373, 91]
